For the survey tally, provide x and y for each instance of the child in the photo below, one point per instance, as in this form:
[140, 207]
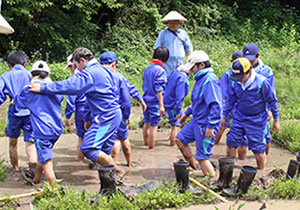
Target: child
[99, 86]
[126, 89]
[11, 84]
[249, 95]
[250, 51]
[225, 81]
[75, 104]
[46, 120]
[206, 109]
[176, 90]
[154, 81]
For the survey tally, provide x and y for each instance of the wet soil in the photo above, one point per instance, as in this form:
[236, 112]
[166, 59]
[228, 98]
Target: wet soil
[150, 165]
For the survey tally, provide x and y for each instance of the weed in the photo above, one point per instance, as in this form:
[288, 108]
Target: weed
[3, 170]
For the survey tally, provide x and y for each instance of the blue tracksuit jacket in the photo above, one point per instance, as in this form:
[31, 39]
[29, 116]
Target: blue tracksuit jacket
[11, 84]
[45, 112]
[251, 99]
[206, 99]
[96, 82]
[176, 90]
[123, 95]
[154, 80]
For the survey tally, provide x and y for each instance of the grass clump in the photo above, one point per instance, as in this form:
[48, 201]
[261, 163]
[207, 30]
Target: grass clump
[279, 189]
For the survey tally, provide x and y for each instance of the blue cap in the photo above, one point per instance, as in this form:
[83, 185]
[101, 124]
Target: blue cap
[236, 55]
[108, 57]
[250, 51]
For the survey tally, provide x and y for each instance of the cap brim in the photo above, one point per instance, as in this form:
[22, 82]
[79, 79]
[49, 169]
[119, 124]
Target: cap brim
[69, 64]
[250, 57]
[237, 77]
[187, 67]
[66, 66]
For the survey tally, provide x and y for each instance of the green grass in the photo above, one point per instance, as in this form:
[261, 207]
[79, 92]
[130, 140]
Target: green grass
[279, 189]
[289, 135]
[3, 170]
[166, 196]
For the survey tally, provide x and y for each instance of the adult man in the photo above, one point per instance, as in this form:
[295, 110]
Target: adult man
[175, 39]
[99, 86]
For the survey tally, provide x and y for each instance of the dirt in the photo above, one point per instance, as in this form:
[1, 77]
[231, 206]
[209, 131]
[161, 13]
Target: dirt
[149, 165]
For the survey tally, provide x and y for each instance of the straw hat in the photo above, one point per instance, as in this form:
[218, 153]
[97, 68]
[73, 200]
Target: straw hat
[173, 15]
[5, 28]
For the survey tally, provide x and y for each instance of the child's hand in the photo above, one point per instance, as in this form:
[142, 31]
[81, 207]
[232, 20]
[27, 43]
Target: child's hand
[276, 126]
[177, 117]
[182, 119]
[128, 121]
[143, 104]
[223, 121]
[12, 102]
[209, 133]
[87, 125]
[67, 122]
[270, 115]
[35, 87]
[162, 110]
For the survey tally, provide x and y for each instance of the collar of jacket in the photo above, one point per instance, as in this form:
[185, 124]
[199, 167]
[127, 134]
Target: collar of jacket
[202, 72]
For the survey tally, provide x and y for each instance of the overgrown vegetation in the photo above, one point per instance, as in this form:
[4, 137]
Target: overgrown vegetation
[166, 196]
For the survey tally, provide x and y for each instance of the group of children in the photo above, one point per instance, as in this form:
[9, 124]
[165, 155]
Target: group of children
[100, 98]
[245, 97]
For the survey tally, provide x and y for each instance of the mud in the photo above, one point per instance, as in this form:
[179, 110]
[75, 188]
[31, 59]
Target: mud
[150, 165]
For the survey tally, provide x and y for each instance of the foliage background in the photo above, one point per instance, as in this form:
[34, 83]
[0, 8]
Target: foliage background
[52, 29]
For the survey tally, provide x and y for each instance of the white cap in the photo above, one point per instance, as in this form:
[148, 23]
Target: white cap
[40, 66]
[173, 15]
[5, 28]
[69, 61]
[196, 57]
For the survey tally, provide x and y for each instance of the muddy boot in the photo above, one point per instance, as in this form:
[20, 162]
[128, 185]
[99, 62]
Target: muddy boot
[246, 177]
[226, 166]
[292, 169]
[182, 178]
[107, 175]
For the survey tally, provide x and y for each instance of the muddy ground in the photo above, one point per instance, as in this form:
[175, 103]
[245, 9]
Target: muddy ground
[150, 165]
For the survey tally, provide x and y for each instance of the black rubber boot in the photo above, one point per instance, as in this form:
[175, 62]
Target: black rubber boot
[292, 169]
[107, 175]
[246, 177]
[182, 178]
[226, 166]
